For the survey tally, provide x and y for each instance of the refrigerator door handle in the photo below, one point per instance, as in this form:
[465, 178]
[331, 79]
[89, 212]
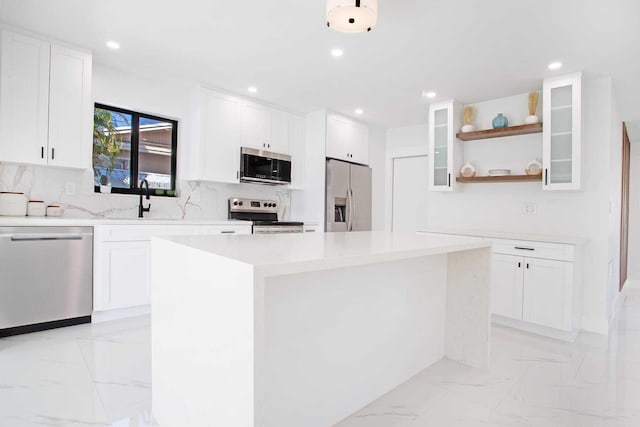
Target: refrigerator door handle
[353, 210]
[348, 209]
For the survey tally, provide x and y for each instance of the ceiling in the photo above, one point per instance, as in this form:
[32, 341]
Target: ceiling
[465, 49]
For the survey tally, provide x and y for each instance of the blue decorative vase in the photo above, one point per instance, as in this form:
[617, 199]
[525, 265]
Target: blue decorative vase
[500, 121]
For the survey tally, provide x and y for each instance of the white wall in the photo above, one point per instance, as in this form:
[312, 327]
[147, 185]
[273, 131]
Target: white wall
[377, 142]
[159, 97]
[498, 206]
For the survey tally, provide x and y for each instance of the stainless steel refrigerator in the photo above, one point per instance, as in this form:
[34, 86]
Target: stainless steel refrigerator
[348, 197]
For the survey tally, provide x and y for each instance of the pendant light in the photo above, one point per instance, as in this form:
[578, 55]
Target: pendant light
[352, 16]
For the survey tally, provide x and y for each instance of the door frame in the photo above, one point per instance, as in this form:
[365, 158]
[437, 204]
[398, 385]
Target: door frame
[624, 203]
[390, 156]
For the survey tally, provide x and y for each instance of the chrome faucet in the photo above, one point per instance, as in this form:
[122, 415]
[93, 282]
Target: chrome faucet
[141, 208]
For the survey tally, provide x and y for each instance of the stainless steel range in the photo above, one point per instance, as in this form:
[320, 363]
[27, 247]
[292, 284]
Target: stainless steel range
[263, 214]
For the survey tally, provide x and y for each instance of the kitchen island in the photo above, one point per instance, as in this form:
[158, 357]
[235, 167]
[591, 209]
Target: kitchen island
[293, 330]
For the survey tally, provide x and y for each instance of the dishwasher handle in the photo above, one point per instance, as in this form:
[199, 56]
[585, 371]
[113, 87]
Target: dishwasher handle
[40, 237]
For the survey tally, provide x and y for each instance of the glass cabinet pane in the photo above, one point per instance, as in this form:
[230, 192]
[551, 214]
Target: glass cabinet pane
[441, 143]
[561, 167]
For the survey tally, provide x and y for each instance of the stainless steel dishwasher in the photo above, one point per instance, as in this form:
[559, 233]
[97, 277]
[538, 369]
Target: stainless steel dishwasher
[46, 278]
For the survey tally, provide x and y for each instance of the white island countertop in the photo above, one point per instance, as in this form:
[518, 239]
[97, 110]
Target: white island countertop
[493, 234]
[274, 254]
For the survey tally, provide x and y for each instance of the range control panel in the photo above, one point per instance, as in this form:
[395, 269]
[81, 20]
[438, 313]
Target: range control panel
[253, 205]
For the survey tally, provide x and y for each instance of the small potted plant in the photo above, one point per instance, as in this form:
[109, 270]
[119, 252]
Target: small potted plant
[107, 144]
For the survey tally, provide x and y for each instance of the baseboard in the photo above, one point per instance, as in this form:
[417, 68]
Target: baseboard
[535, 329]
[123, 313]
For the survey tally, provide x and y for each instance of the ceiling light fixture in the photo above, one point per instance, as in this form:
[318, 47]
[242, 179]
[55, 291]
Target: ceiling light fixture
[359, 111]
[352, 16]
[429, 94]
[113, 45]
[252, 89]
[554, 65]
[337, 53]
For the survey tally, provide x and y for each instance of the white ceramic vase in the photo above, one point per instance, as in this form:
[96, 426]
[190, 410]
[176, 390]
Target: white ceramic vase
[106, 189]
[530, 120]
[467, 128]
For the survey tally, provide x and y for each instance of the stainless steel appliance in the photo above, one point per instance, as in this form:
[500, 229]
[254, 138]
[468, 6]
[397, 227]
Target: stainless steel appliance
[263, 214]
[46, 278]
[264, 167]
[348, 196]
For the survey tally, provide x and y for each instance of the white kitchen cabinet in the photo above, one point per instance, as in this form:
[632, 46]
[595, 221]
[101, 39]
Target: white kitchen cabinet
[45, 103]
[533, 282]
[265, 128]
[280, 131]
[297, 148]
[347, 140]
[445, 158]
[562, 133]
[122, 259]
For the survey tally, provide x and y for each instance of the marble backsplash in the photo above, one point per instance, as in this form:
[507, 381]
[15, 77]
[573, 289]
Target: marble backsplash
[52, 185]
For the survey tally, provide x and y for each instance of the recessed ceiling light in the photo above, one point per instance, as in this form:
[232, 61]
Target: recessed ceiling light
[337, 52]
[554, 65]
[252, 89]
[429, 94]
[113, 45]
[359, 111]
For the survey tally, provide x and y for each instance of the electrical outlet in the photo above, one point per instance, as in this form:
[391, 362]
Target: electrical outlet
[70, 188]
[195, 196]
[529, 208]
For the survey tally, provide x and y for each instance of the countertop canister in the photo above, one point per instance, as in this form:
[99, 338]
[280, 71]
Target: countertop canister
[13, 204]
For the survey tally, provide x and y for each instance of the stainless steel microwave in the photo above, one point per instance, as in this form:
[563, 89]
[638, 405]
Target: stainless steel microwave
[264, 167]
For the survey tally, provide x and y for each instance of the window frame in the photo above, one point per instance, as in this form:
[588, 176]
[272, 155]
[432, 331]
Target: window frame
[135, 145]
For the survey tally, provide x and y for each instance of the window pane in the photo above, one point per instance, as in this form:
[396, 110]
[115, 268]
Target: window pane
[112, 148]
[154, 153]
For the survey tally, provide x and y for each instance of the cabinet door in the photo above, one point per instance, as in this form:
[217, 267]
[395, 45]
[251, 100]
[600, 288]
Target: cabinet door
[507, 285]
[562, 133]
[360, 144]
[24, 99]
[441, 147]
[221, 144]
[70, 112]
[347, 140]
[279, 132]
[255, 125]
[127, 274]
[545, 300]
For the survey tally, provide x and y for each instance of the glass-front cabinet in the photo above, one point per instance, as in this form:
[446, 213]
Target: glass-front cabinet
[562, 105]
[443, 153]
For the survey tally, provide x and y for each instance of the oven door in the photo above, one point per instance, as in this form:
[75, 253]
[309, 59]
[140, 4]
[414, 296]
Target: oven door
[264, 167]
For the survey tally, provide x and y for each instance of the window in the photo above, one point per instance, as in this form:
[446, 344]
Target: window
[129, 147]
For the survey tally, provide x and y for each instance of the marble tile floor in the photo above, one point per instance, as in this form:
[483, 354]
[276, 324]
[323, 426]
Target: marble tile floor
[100, 375]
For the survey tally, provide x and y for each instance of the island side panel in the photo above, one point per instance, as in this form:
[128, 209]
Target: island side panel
[468, 307]
[335, 340]
[201, 338]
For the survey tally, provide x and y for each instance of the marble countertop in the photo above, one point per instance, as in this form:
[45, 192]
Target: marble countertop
[287, 253]
[571, 240]
[25, 221]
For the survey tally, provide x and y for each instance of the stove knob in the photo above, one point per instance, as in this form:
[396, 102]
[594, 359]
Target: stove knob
[273, 205]
[265, 205]
[240, 203]
[235, 203]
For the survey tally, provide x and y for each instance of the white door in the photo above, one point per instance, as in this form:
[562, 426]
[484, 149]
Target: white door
[221, 129]
[70, 118]
[544, 293]
[506, 285]
[410, 190]
[24, 99]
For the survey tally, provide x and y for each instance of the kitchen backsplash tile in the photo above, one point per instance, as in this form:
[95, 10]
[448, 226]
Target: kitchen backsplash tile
[49, 184]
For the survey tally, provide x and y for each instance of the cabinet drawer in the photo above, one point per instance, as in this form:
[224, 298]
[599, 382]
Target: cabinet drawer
[232, 229]
[134, 233]
[554, 251]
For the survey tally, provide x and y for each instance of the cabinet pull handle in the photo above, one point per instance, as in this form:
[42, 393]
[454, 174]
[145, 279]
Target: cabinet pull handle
[237, 174]
[53, 153]
[227, 232]
[42, 152]
[546, 177]
[523, 248]
[519, 264]
[449, 179]
[527, 266]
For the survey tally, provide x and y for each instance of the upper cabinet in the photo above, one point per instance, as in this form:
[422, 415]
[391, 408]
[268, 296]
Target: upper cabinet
[562, 139]
[45, 103]
[347, 140]
[221, 123]
[445, 152]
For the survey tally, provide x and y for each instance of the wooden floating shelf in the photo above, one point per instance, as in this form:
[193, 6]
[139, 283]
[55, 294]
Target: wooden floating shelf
[498, 133]
[504, 178]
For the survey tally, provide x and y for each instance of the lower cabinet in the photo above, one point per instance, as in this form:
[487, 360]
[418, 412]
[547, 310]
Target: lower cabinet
[538, 291]
[122, 261]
